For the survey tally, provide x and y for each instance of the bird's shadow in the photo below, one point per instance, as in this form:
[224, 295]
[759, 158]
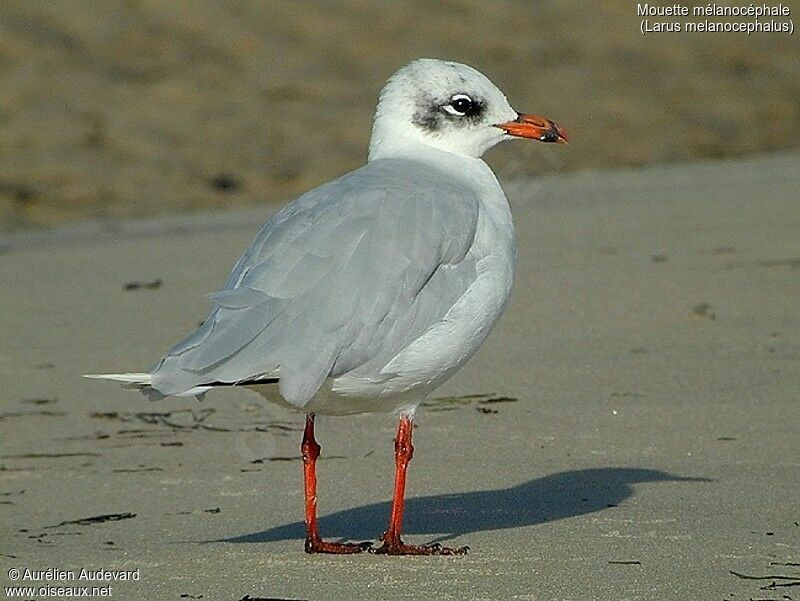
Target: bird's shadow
[553, 497]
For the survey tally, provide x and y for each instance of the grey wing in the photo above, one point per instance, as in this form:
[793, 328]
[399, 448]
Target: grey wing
[348, 275]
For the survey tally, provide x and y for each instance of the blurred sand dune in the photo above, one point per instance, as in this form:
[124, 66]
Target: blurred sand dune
[129, 108]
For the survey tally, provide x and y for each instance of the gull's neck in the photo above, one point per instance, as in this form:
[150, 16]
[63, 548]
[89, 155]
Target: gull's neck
[472, 171]
[398, 145]
[393, 136]
[392, 141]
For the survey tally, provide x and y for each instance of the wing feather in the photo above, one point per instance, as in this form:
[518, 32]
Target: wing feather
[342, 279]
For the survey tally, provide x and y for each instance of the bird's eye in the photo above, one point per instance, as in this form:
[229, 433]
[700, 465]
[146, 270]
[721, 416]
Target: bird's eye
[460, 105]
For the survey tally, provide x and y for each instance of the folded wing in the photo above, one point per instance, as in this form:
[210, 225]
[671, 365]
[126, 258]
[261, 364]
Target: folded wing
[345, 277]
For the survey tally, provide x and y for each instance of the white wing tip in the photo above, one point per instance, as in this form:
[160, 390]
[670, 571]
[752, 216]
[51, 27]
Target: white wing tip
[136, 379]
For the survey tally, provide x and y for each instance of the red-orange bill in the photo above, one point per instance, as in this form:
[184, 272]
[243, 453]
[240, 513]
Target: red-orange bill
[536, 128]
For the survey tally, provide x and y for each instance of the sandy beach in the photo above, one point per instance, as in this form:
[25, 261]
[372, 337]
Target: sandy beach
[113, 108]
[629, 431]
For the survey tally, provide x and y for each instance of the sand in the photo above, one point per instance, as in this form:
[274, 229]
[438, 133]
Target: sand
[112, 108]
[634, 433]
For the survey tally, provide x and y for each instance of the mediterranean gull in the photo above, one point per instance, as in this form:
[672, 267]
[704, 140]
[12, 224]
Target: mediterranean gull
[368, 292]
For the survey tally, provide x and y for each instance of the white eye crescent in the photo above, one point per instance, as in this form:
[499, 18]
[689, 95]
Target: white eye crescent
[459, 105]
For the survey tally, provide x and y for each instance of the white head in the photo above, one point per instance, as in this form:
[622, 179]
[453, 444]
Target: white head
[451, 107]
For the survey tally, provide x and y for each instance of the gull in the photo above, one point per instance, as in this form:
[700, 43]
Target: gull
[367, 293]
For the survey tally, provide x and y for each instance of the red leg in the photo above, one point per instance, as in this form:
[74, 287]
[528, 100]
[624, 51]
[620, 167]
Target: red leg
[314, 543]
[392, 543]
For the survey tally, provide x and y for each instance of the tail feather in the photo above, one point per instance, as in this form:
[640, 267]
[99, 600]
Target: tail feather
[140, 381]
[131, 380]
[143, 382]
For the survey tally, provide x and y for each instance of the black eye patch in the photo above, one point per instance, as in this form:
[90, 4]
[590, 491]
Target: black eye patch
[462, 105]
[459, 108]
